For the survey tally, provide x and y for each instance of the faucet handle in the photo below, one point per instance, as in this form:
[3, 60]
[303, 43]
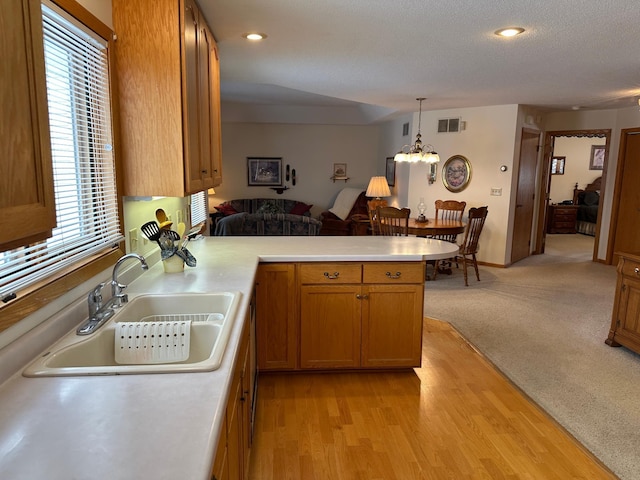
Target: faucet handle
[95, 299]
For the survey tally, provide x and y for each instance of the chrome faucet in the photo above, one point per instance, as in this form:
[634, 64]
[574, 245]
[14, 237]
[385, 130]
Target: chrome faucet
[119, 298]
[99, 313]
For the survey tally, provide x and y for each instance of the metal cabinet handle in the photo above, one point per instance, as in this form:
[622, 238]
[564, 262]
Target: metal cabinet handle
[330, 276]
[362, 297]
[637, 270]
[394, 277]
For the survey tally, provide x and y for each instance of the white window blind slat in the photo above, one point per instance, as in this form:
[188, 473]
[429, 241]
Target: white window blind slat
[78, 95]
[198, 208]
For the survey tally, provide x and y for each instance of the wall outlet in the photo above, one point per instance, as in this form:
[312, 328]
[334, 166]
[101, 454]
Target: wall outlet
[133, 239]
[496, 191]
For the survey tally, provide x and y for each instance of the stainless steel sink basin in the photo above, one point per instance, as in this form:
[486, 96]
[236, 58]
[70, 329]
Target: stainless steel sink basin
[212, 317]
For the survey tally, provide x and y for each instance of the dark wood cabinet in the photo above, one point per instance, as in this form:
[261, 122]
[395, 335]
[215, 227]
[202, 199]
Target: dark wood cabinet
[562, 218]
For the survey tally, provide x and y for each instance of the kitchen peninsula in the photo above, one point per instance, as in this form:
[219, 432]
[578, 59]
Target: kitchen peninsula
[161, 426]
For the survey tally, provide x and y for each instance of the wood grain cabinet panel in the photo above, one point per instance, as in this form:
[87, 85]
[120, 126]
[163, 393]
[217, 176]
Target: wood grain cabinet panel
[361, 315]
[625, 320]
[330, 326]
[27, 205]
[168, 83]
[276, 316]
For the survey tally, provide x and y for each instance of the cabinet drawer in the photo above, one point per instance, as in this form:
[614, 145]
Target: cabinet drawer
[565, 211]
[564, 224]
[319, 273]
[393, 272]
[629, 269]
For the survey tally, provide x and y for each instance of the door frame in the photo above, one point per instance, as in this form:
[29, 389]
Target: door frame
[545, 183]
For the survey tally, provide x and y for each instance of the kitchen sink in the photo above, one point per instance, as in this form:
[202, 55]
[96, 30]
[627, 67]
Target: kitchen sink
[211, 317]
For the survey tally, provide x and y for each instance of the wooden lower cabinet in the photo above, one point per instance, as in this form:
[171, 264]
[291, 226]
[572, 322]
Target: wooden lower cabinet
[276, 316]
[330, 326]
[625, 320]
[342, 315]
[232, 456]
[392, 326]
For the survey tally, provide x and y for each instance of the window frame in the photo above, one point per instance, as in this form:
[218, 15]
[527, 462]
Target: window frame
[62, 282]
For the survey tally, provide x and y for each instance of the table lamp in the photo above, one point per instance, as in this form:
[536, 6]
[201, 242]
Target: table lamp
[378, 187]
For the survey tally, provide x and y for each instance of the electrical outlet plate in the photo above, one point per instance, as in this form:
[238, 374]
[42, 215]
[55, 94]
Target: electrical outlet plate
[133, 239]
[496, 191]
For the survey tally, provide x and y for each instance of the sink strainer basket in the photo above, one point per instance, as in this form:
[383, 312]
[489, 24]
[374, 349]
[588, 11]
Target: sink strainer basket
[148, 342]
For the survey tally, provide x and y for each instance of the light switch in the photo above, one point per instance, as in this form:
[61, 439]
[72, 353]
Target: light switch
[496, 191]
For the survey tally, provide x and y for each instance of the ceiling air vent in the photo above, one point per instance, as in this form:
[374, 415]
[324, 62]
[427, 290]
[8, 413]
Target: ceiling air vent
[449, 125]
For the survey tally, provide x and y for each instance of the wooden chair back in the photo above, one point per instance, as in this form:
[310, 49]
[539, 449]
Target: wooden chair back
[391, 221]
[469, 246]
[449, 210]
[372, 206]
[477, 217]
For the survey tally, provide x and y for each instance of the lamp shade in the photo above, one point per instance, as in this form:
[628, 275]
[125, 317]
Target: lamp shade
[378, 187]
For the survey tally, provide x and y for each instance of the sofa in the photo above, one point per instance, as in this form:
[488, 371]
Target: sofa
[264, 216]
[347, 216]
[267, 224]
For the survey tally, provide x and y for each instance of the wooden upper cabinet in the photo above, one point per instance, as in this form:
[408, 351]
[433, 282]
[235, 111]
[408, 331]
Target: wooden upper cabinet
[167, 88]
[27, 205]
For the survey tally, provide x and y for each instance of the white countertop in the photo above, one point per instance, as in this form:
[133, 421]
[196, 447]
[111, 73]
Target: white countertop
[160, 426]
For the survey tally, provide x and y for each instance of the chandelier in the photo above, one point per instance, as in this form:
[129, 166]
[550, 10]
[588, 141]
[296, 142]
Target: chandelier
[417, 152]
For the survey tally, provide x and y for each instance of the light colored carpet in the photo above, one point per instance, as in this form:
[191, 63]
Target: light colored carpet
[543, 322]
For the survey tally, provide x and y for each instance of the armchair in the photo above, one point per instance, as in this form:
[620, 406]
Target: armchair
[358, 215]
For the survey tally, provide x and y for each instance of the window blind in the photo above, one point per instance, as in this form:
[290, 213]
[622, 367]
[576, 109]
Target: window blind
[77, 73]
[198, 208]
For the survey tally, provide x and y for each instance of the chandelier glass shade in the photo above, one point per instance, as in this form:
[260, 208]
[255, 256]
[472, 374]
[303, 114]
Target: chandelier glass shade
[417, 152]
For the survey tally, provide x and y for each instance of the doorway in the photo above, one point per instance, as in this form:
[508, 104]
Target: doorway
[600, 138]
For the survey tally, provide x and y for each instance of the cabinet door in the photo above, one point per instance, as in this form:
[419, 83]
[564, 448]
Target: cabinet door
[330, 326]
[192, 119]
[220, 470]
[392, 325]
[216, 121]
[27, 208]
[627, 329]
[276, 318]
[234, 431]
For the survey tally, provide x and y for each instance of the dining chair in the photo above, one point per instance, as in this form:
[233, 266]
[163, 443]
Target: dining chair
[372, 206]
[446, 210]
[391, 221]
[469, 246]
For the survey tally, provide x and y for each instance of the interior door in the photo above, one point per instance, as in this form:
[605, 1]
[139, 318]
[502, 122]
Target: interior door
[525, 195]
[626, 219]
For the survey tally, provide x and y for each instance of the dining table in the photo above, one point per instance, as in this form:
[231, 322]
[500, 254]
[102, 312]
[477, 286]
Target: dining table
[435, 226]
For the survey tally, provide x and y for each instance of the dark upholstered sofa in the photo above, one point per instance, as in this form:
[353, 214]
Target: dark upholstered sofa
[355, 223]
[267, 224]
[264, 216]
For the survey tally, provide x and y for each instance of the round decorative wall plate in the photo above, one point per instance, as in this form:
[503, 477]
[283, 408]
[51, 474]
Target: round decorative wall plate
[456, 173]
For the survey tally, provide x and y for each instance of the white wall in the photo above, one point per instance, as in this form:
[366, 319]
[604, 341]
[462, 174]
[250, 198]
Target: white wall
[99, 8]
[488, 142]
[309, 149]
[576, 170]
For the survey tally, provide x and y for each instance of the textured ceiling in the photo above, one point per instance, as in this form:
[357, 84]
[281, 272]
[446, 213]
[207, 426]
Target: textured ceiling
[385, 53]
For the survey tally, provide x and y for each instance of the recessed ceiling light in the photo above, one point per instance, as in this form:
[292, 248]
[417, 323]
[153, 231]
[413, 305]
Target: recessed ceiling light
[509, 32]
[254, 36]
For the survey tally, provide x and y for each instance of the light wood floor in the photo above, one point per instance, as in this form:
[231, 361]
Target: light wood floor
[454, 418]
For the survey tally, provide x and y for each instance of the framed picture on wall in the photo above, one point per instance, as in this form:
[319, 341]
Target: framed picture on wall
[264, 171]
[456, 173]
[557, 165]
[597, 157]
[390, 171]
